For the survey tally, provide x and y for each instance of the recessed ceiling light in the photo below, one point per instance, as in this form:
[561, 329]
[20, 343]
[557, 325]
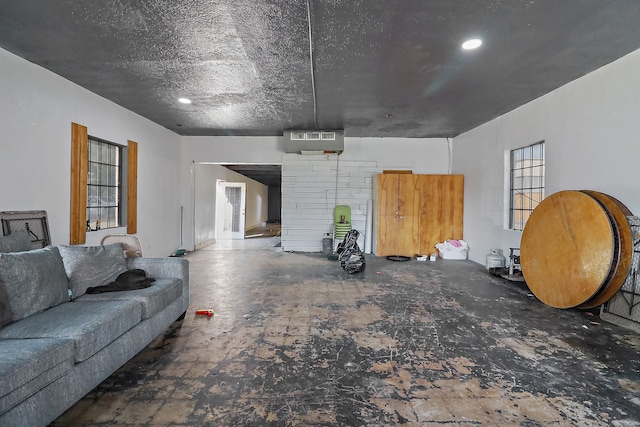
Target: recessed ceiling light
[471, 44]
[185, 100]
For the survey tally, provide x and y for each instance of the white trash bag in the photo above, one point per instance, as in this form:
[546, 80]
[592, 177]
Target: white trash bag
[453, 249]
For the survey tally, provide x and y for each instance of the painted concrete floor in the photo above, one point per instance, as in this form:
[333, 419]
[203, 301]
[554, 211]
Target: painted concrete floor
[296, 341]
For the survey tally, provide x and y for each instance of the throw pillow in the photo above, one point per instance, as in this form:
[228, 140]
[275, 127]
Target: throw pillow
[89, 266]
[5, 309]
[17, 241]
[34, 280]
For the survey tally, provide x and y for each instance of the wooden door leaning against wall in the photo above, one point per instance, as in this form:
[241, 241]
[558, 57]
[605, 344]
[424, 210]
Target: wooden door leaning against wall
[397, 219]
[415, 212]
[441, 210]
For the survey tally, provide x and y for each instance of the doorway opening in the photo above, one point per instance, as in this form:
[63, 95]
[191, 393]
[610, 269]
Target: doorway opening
[236, 202]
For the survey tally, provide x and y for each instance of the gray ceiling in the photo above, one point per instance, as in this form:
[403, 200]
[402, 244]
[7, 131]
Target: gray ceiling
[267, 174]
[382, 68]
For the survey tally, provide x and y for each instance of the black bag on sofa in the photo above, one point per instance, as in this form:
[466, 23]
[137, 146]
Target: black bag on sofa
[127, 281]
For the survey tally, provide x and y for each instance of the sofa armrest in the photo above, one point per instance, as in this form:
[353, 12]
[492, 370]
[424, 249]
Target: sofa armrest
[165, 268]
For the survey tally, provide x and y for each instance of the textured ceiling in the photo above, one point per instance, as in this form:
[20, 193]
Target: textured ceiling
[382, 68]
[270, 175]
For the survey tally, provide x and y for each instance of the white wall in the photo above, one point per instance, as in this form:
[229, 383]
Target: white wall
[221, 149]
[592, 140]
[37, 108]
[257, 203]
[312, 185]
[302, 229]
[205, 190]
[378, 154]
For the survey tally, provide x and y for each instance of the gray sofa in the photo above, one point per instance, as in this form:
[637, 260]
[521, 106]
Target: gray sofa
[58, 342]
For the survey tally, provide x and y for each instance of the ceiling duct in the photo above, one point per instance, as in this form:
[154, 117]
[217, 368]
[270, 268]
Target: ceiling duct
[313, 141]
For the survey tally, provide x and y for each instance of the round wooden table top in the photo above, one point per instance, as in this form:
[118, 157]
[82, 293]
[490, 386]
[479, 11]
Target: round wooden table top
[619, 212]
[566, 251]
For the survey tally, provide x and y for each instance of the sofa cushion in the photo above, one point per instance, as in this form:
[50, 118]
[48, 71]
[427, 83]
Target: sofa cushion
[26, 366]
[153, 299]
[5, 309]
[92, 265]
[91, 325]
[18, 241]
[34, 281]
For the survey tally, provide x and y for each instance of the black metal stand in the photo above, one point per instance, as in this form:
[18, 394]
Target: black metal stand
[620, 308]
[34, 222]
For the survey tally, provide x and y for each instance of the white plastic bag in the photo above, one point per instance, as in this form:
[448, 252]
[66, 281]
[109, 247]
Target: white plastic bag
[453, 249]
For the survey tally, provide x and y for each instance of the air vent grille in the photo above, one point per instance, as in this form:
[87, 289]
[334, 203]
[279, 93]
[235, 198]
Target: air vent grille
[313, 136]
[298, 136]
[298, 141]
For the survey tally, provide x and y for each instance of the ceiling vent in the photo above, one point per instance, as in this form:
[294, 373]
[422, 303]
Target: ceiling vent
[313, 141]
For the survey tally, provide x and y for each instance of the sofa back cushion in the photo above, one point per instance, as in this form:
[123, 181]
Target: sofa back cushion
[88, 266]
[17, 241]
[34, 281]
[5, 308]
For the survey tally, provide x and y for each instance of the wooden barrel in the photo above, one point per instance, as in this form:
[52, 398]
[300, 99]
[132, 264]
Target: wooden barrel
[567, 249]
[619, 213]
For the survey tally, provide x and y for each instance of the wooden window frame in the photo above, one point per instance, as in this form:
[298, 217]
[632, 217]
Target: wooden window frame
[132, 187]
[78, 193]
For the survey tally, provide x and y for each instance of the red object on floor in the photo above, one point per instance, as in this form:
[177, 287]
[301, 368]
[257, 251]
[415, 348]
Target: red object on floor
[207, 312]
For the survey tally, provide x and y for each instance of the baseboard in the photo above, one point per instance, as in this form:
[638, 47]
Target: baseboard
[205, 243]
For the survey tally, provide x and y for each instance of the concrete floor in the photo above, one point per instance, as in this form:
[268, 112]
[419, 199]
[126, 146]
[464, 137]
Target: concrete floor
[297, 341]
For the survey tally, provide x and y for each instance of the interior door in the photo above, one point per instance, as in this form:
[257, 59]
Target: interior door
[233, 210]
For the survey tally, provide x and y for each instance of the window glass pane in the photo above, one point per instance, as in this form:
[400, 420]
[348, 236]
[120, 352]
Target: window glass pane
[91, 216]
[92, 175]
[112, 215]
[516, 156]
[104, 196]
[113, 196]
[112, 154]
[103, 173]
[518, 173]
[104, 153]
[113, 175]
[536, 151]
[92, 196]
[104, 213]
[93, 151]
